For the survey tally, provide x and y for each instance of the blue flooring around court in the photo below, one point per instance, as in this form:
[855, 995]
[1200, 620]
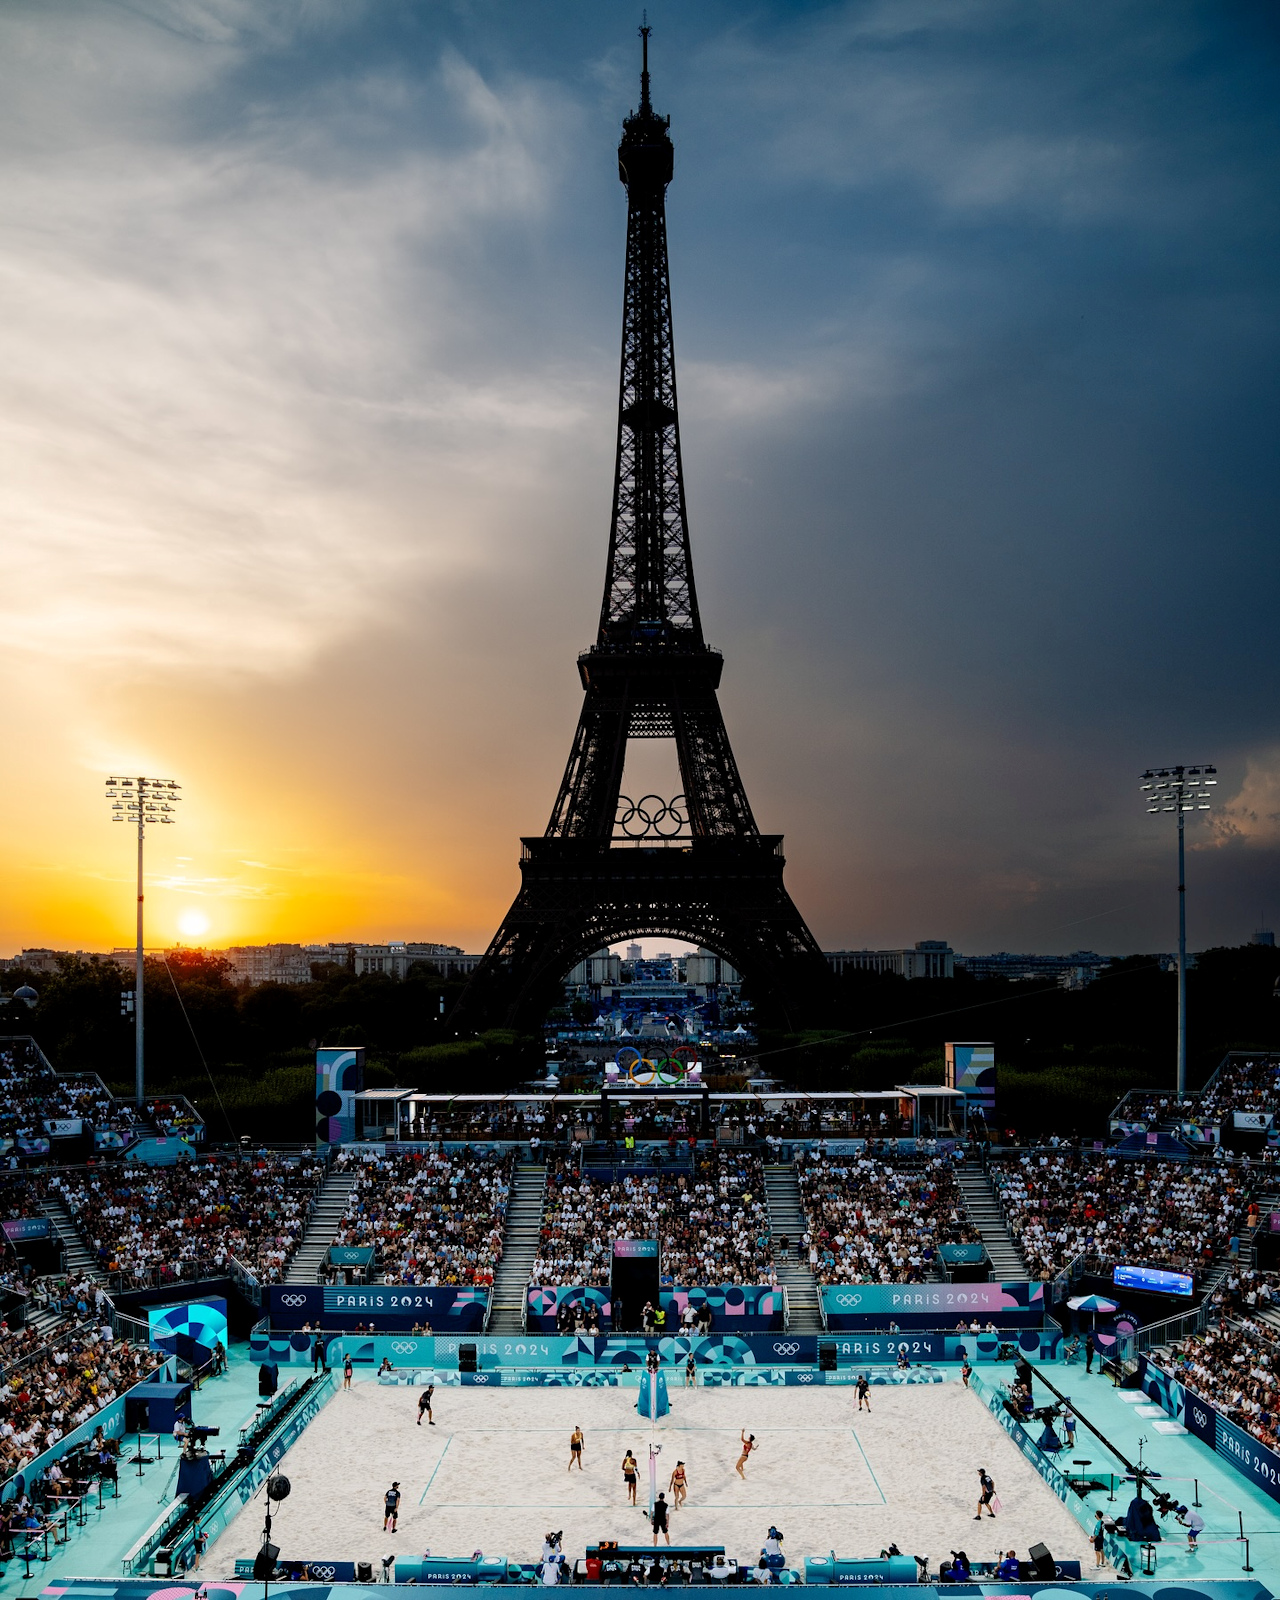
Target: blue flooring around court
[97, 1549]
[1228, 1501]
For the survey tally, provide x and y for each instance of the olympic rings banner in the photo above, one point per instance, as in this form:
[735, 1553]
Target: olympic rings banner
[735, 1308]
[665, 1069]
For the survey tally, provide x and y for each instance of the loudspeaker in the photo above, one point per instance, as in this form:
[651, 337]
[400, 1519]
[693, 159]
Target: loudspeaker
[466, 1358]
[827, 1356]
[1043, 1562]
[264, 1563]
[364, 1571]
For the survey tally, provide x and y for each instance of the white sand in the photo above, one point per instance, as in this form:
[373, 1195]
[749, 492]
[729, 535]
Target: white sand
[491, 1475]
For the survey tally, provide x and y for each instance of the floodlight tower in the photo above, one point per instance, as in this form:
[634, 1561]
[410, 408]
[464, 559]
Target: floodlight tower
[142, 800]
[1180, 789]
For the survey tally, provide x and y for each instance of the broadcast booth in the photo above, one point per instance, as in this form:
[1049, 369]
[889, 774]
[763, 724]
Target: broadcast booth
[380, 1113]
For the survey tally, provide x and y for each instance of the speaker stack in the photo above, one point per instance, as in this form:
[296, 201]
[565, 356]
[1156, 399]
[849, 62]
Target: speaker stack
[1042, 1560]
[827, 1355]
[466, 1358]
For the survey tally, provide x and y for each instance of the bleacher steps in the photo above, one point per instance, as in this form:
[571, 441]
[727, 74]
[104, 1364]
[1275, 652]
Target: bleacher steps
[786, 1215]
[308, 1263]
[80, 1259]
[521, 1237]
[987, 1216]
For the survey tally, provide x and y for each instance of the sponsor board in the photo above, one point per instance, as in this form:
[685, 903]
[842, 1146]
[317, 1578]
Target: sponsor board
[932, 1305]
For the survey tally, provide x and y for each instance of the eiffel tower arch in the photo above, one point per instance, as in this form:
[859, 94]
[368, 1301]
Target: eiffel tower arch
[609, 866]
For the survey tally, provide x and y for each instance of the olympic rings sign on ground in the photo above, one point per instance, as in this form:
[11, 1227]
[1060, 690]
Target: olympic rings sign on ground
[643, 1070]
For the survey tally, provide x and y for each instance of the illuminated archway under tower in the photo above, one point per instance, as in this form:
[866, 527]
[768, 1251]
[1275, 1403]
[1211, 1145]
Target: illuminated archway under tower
[609, 867]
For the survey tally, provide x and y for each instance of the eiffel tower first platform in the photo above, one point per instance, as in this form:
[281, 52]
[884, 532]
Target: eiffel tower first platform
[608, 867]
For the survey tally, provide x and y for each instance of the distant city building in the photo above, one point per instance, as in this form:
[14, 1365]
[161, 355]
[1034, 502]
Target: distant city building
[394, 959]
[44, 961]
[663, 976]
[1081, 967]
[928, 958]
[601, 968]
[267, 963]
[705, 969]
[1264, 936]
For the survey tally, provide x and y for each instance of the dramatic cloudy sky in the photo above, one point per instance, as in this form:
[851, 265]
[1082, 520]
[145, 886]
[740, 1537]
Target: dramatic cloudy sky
[307, 365]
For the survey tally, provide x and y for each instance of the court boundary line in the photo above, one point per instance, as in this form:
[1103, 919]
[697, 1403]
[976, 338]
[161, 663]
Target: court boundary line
[436, 1468]
[866, 1461]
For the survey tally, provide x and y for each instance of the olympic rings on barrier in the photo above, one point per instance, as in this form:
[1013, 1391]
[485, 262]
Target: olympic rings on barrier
[677, 1065]
[652, 816]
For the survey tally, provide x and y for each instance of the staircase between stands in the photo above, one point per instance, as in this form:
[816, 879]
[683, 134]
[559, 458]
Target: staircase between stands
[81, 1262]
[786, 1215]
[520, 1240]
[987, 1216]
[79, 1258]
[308, 1263]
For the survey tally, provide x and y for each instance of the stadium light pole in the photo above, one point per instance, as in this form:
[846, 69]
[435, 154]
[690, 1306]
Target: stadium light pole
[1180, 789]
[142, 800]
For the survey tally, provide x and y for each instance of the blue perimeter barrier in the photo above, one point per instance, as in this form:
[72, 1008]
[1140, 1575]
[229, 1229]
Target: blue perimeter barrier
[155, 1588]
[619, 1350]
[215, 1517]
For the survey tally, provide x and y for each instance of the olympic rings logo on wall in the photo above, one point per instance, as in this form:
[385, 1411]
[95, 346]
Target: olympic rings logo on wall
[643, 1070]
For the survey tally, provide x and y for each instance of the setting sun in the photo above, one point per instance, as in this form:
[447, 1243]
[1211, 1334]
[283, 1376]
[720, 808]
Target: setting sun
[193, 924]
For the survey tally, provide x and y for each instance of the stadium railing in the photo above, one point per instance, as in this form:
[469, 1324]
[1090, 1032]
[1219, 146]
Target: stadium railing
[1168, 1331]
[244, 1279]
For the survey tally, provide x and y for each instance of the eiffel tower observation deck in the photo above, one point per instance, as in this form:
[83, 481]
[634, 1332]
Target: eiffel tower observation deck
[608, 867]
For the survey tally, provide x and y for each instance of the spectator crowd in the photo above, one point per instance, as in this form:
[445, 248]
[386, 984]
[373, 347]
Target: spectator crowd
[143, 1222]
[876, 1220]
[1242, 1083]
[1063, 1204]
[46, 1393]
[1234, 1365]
[431, 1218]
[712, 1222]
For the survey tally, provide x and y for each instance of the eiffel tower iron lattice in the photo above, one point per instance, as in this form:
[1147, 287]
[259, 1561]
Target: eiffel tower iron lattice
[608, 867]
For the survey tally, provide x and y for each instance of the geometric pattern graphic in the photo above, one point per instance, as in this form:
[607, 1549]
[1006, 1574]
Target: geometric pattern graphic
[750, 1308]
[339, 1078]
[193, 1328]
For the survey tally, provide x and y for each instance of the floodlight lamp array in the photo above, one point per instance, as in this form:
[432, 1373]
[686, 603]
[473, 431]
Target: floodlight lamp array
[1178, 789]
[144, 800]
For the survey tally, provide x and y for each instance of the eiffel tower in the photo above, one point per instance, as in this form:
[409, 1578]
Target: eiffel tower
[694, 867]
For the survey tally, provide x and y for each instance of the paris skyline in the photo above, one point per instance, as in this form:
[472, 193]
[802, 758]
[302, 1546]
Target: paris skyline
[309, 409]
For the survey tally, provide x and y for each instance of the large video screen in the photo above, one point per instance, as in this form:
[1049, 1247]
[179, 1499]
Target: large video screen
[1152, 1279]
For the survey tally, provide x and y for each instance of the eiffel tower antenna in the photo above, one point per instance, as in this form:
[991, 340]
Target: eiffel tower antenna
[608, 867]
